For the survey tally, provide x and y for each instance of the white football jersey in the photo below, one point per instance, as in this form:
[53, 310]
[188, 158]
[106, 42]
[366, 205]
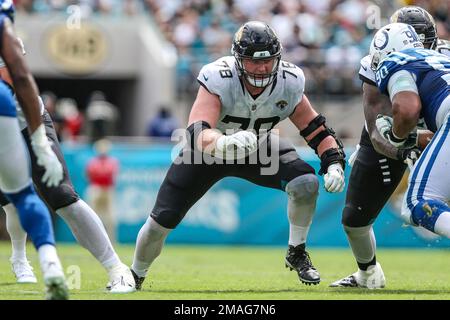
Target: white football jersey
[366, 74]
[239, 109]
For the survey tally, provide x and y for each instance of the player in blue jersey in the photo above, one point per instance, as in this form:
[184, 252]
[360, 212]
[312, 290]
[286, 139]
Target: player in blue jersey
[417, 80]
[378, 161]
[84, 223]
[15, 178]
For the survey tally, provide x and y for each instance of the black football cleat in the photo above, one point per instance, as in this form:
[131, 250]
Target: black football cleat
[298, 259]
[138, 280]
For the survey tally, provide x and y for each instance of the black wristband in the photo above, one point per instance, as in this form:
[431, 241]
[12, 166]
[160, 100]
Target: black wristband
[193, 131]
[329, 157]
[393, 138]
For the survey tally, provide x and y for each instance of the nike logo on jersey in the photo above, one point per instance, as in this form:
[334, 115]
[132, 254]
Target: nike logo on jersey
[205, 77]
[365, 68]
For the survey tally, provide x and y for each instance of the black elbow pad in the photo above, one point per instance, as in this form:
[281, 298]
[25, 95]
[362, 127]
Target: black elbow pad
[193, 131]
[318, 138]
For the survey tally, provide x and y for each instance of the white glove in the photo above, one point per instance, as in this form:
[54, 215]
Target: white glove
[353, 156]
[46, 158]
[384, 126]
[239, 144]
[334, 178]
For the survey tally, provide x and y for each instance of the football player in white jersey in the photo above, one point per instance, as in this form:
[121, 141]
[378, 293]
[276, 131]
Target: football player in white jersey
[240, 95]
[64, 200]
[379, 162]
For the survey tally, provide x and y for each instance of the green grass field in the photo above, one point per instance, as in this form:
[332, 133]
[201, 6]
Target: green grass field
[211, 272]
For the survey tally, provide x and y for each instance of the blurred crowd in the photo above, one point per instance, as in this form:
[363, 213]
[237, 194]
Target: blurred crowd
[88, 7]
[327, 38]
[97, 121]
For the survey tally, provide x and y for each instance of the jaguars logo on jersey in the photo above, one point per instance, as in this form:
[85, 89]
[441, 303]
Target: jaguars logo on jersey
[281, 104]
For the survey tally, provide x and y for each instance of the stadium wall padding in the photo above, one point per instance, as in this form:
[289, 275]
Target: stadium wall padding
[234, 211]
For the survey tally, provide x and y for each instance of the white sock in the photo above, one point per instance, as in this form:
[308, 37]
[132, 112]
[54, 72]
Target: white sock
[442, 226]
[17, 234]
[149, 243]
[297, 234]
[140, 267]
[90, 233]
[302, 195]
[48, 258]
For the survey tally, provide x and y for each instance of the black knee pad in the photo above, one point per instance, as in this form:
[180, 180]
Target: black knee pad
[168, 221]
[60, 196]
[352, 217]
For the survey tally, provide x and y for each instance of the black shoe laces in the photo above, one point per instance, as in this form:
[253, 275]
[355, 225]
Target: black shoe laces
[299, 258]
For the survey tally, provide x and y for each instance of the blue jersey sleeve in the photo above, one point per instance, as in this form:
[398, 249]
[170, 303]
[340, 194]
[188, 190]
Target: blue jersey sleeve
[383, 74]
[430, 71]
[396, 61]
